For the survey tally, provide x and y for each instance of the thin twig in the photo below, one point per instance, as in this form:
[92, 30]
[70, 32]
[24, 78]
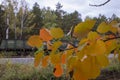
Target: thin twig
[111, 38]
[77, 46]
[100, 4]
[62, 50]
[67, 49]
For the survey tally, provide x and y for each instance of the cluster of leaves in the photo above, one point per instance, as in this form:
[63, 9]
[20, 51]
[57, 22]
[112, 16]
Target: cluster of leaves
[83, 61]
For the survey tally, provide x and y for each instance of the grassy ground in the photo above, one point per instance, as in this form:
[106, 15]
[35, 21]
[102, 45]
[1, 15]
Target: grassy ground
[112, 72]
[9, 71]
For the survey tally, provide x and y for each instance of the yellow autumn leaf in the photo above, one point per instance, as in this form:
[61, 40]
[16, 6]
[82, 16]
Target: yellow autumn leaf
[45, 61]
[93, 36]
[103, 27]
[45, 34]
[55, 58]
[113, 23]
[113, 27]
[83, 28]
[102, 60]
[82, 44]
[100, 47]
[38, 58]
[95, 48]
[63, 58]
[80, 54]
[56, 33]
[110, 45]
[77, 75]
[35, 41]
[55, 46]
[71, 63]
[69, 53]
[95, 70]
[83, 41]
[89, 67]
[58, 70]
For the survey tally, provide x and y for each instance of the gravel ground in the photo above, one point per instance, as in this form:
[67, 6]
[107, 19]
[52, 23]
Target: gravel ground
[27, 60]
[17, 60]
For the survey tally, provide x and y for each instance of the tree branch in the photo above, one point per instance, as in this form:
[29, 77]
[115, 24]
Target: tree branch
[77, 46]
[65, 49]
[100, 4]
[111, 38]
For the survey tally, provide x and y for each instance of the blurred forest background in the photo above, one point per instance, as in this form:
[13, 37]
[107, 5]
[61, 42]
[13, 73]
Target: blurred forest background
[18, 21]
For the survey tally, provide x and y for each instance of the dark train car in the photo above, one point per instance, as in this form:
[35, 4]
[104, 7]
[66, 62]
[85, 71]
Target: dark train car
[19, 46]
[22, 48]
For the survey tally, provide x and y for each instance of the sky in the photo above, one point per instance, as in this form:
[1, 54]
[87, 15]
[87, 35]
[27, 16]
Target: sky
[82, 6]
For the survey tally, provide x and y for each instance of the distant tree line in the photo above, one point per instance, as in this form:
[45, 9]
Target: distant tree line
[17, 21]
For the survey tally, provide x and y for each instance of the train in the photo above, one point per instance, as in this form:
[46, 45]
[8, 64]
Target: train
[21, 47]
[18, 46]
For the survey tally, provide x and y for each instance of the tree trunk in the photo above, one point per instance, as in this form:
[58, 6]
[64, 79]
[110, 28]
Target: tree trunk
[21, 27]
[1, 35]
[7, 30]
[7, 33]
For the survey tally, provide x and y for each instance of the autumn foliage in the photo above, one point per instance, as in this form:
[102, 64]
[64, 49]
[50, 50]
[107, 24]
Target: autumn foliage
[87, 58]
